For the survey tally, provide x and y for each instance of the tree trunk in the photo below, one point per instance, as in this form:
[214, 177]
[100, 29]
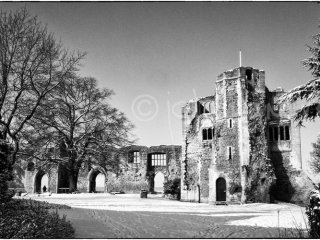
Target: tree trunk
[73, 179]
[5, 171]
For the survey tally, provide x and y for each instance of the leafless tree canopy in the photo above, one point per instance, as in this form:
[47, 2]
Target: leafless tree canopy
[76, 121]
[32, 64]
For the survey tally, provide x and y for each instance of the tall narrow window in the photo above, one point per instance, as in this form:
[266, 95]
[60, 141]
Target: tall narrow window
[275, 134]
[287, 131]
[229, 153]
[230, 123]
[249, 74]
[281, 133]
[270, 133]
[209, 133]
[136, 157]
[204, 134]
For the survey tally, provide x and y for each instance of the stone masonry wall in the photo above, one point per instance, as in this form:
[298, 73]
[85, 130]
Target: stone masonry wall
[196, 153]
[259, 171]
[130, 177]
[227, 136]
[292, 184]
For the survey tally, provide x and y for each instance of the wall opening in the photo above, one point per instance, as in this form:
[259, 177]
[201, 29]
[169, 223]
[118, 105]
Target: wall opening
[41, 180]
[277, 133]
[134, 157]
[63, 180]
[230, 123]
[248, 74]
[158, 182]
[97, 182]
[229, 153]
[221, 188]
[207, 134]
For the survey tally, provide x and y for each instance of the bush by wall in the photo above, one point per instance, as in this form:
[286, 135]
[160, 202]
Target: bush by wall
[313, 213]
[31, 219]
[172, 187]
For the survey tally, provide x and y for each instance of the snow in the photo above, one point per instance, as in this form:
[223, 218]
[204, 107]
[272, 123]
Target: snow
[113, 216]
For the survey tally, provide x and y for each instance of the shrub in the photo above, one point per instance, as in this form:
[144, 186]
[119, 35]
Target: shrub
[31, 219]
[313, 213]
[172, 187]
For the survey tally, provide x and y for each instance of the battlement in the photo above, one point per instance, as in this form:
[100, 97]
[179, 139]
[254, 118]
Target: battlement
[241, 72]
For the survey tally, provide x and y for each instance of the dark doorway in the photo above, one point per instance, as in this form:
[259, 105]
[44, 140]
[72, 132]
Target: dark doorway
[221, 188]
[63, 180]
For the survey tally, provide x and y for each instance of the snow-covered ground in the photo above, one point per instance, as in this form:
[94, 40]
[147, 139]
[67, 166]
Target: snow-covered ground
[129, 216]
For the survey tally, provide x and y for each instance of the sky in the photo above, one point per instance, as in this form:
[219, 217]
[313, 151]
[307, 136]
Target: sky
[158, 55]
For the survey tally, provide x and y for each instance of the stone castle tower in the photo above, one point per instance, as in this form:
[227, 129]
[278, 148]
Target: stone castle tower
[239, 145]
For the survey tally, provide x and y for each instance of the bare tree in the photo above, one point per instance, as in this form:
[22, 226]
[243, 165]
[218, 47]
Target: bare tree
[76, 117]
[32, 64]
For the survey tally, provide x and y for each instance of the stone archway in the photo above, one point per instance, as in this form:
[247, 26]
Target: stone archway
[158, 182]
[63, 180]
[41, 179]
[221, 188]
[97, 181]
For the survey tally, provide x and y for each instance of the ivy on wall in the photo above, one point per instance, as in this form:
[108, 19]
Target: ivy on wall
[260, 171]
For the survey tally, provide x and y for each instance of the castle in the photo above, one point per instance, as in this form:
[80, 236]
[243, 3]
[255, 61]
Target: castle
[238, 145]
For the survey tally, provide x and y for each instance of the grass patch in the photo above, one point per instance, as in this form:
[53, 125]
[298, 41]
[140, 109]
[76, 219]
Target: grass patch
[32, 219]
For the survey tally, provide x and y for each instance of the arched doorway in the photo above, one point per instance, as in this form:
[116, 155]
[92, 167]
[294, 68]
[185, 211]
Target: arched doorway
[41, 180]
[100, 182]
[158, 182]
[97, 182]
[63, 179]
[221, 188]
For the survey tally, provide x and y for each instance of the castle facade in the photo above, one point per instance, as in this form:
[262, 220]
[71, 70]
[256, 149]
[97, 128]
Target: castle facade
[240, 145]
